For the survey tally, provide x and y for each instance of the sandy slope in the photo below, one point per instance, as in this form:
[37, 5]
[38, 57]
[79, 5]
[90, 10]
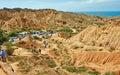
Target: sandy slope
[107, 36]
[2, 72]
[101, 61]
[6, 69]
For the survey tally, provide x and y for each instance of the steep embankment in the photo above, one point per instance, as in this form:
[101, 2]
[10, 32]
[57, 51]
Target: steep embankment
[2, 72]
[96, 60]
[97, 57]
[13, 19]
[6, 69]
[97, 47]
[97, 38]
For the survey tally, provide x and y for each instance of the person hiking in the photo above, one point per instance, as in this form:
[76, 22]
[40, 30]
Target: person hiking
[32, 48]
[0, 52]
[3, 55]
[45, 44]
[39, 50]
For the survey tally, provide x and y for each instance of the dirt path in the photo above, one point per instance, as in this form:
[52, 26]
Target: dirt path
[6, 69]
[15, 68]
[2, 72]
[22, 52]
[45, 51]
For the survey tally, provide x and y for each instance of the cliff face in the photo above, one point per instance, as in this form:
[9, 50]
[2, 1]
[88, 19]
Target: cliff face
[13, 19]
[96, 60]
[97, 57]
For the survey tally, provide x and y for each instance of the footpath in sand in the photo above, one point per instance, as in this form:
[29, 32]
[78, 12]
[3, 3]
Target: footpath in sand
[2, 72]
[6, 69]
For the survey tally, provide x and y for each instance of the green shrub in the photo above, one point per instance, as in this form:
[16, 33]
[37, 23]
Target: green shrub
[76, 70]
[94, 72]
[24, 66]
[65, 29]
[8, 44]
[12, 34]
[82, 69]
[109, 73]
[1, 32]
[14, 58]
[70, 68]
[3, 38]
[37, 72]
[48, 62]
[51, 63]
[9, 50]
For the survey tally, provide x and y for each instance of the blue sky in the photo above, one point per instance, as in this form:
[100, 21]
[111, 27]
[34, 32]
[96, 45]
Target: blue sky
[64, 5]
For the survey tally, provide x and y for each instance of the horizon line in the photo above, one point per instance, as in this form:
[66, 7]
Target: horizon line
[60, 10]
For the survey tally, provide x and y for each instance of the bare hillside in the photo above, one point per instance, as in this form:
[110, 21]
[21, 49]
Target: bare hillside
[97, 37]
[25, 19]
[93, 48]
[97, 47]
[6, 69]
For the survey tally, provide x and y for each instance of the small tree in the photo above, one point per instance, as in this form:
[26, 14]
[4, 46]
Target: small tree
[3, 38]
[66, 30]
[9, 50]
[11, 34]
[110, 73]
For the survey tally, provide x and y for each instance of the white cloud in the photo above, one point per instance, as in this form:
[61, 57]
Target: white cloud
[96, 1]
